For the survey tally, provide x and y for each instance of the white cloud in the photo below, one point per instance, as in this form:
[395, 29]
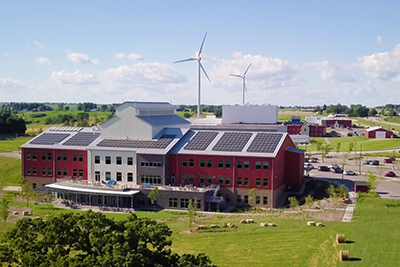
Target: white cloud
[38, 44]
[132, 56]
[379, 39]
[382, 66]
[10, 83]
[82, 59]
[330, 72]
[74, 78]
[5, 54]
[42, 60]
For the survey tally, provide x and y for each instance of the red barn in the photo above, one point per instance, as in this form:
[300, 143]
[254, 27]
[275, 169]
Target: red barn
[378, 132]
[294, 128]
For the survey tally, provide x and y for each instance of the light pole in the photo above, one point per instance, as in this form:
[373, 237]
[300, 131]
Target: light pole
[359, 165]
[393, 160]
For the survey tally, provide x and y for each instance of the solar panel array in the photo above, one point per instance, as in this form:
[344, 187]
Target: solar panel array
[66, 129]
[161, 143]
[232, 141]
[265, 143]
[201, 141]
[82, 139]
[49, 139]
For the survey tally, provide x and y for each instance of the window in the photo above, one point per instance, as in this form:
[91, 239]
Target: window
[108, 176]
[258, 165]
[108, 160]
[97, 176]
[80, 158]
[239, 165]
[119, 160]
[184, 162]
[59, 172]
[220, 179]
[74, 172]
[184, 178]
[43, 171]
[34, 185]
[191, 162]
[209, 179]
[246, 165]
[265, 200]
[34, 172]
[191, 178]
[65, 157]
[227, 180]
[74, 158]
[239, 181]
[49, 156]
[239, 199]
[65, 172]
[151, 179]
[58, 157]
[50, 171]
[28, 156]
[202, 179]
[184, 203]
[34, 156]
[209, 163]
[265, 182]
[202, 163]
[119, 176]
[173, 202]
[43, 156]
[246, 199]
[220, 164]
[246, 181]
[130, 177]
[228, 164]
[258, 200]
[130, 161]
[265, 166]
[227, 198]
[258, 182]
[80, 173]
[28, 171]
[96, 159]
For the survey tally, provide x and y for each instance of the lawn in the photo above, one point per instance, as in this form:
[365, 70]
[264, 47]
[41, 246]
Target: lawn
[369, 123]
[393, 119]
[13, 143]
[10, 171]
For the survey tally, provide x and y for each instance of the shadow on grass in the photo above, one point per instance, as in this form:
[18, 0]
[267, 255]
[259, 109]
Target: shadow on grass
[350, 242]
[355, 259]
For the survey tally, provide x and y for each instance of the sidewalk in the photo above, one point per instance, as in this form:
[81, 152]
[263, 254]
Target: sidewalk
[349, 211]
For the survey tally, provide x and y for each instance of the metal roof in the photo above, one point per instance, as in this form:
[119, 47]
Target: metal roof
[90, 190]
[163, 120]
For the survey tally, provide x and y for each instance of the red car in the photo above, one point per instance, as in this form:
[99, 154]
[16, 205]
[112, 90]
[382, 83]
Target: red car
[389, 160]
[390, 174]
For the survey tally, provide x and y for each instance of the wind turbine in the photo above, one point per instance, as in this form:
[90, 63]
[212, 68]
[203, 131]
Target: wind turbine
[244, 80]
[198, 59]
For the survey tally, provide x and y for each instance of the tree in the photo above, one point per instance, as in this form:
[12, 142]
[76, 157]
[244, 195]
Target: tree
[153, 196]
[318, 145]
[253, 195]
[338, 147]
[192, 212]
[371, 181]
[294, 203]
[325, 149]
[27, 192]
[4, 208]
[92, 239]
[186, 115]
[66, 108]
[351, 146]
[372, 112]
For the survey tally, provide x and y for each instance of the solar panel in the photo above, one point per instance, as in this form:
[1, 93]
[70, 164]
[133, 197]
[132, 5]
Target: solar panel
[265, 143]
[66, 129]
[232, 141]
[161, 143]
[201, 141]
[82, 139]
[49, 139]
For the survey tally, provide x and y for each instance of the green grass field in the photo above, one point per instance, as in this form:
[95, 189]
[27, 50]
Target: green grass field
[13, 143]
[392, 119]
[369, 123]
[10, 171]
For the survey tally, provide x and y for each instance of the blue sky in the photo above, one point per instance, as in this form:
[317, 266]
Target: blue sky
[302, 52]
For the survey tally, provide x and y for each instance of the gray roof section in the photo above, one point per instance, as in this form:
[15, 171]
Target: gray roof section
[161, 143]
[82, 139]
[164, 120]
[146, 105]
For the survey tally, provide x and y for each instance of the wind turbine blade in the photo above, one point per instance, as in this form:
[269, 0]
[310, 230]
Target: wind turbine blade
[201, 66]
[247, 69]
[189, 59]
[201, 47]
[235, 75]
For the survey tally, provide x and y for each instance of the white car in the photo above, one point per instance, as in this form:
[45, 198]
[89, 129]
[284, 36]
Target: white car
[350, 173]
[308, 166]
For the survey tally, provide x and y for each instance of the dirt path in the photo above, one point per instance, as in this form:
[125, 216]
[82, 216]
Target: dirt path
[12, 154]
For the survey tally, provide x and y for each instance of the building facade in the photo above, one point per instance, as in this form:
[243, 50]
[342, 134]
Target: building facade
[378, 132]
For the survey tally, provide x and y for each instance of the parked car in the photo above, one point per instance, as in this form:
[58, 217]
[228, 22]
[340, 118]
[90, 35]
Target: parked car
[313, 160]
[349, 173]
[389, 160]
[324, 169]
[308, 166]
[337, 170]
[374, 162]
[390, 174]
[333, 166]
[367, 162]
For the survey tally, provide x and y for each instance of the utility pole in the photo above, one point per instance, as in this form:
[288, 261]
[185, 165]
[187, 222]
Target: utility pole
[393, 160]
[359, 170]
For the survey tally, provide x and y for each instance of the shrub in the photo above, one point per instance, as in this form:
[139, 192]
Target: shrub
[293, 202]
[367, 194]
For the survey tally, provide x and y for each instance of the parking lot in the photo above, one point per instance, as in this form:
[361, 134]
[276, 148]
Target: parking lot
[388, 187]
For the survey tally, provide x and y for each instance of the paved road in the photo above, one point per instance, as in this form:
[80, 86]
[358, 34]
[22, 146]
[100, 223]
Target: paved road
[13, 154]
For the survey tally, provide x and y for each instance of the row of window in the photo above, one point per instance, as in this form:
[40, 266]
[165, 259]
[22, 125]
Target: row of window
[118, 176]
[227, 164]
[49, 172]
[225, 180]
[150, 179]
[118, 160]
[184, 203]
[60, 157]
[150, 164]
[246, 199]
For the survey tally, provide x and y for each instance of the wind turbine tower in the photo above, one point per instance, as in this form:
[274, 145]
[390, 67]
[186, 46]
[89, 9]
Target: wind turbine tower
[200, 67]
[244, 81]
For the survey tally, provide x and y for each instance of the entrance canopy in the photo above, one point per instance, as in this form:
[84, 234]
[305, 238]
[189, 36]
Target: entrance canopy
[57, 187]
